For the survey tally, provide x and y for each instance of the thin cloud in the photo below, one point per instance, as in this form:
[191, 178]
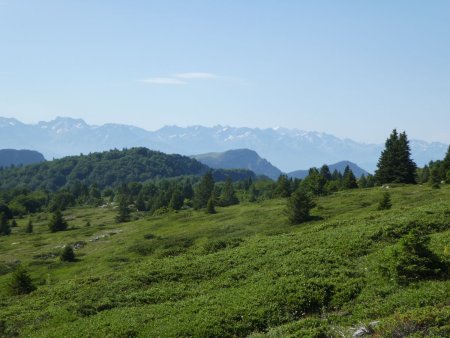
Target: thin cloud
[196, 75]
[179, 78]
[163, 81]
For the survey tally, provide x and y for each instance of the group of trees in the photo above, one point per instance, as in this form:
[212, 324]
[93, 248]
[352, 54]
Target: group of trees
[436, 172]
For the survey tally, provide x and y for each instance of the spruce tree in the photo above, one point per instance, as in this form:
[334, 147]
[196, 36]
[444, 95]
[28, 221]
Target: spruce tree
[21, 282]
[123, 212]
[5, 228]
[385, 202]
[176, 200]
[67, 255]
[362, 182]
[57, 223]
[435, 180]
[29, 228]
[210, 209]
[395, 164]
[204, 190]
[349, 179]
[283, 186]
[299, 206]
[228, 195]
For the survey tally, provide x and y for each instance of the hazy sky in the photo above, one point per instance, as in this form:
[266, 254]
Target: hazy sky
[355, 69]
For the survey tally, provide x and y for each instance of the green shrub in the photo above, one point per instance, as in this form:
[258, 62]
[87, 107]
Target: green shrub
[67, 255]
[20, 282]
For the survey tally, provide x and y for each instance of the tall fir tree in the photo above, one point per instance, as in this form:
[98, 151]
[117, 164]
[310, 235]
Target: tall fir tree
[228, 196]
[5, 228]
[349, 179]
[123, 212]
[299, 206]
[204, 190]
[57, 223]
[395, 164]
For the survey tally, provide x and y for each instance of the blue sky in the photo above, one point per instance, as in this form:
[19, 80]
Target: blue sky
[355, 69]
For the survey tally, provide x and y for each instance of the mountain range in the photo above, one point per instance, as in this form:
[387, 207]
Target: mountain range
[287, 149]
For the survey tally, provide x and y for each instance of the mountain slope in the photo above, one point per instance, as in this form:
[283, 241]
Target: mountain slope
[288, 149]
[241, 272]
[15, 157]
[239, 159]
[340, 167]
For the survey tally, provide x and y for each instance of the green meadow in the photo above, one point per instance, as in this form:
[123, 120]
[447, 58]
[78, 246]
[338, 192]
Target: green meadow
[244, 271]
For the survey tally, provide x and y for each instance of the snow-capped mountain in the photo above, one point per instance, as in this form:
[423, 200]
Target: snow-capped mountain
[287, 149]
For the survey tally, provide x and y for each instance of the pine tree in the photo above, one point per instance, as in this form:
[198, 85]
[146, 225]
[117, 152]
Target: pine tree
[5, 228]
[21, 282]
[435, 180]
[395, 164]
[299, 206]
[67, 255]
[362, 182]
[425, 174]
[283, 186]
[29, 228]
[204, 190]
[325, 173]
[176, 200]
[349, 179]
[385, 202]
[228, 195]
[123, 212]
[57, 222]
[210, 209]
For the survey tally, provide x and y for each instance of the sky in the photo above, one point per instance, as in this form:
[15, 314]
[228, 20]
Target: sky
[355, 69]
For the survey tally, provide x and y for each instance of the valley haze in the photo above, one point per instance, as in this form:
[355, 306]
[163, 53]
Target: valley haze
[287, 149]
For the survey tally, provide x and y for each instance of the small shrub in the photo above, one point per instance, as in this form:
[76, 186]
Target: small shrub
[21, 282]
[67, 255]
[29, 228]
[385, 202]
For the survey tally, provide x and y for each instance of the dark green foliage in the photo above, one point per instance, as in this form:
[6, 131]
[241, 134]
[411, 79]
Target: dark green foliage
[395, 164]
[204, 190]
[435, 180]
[385, 201]
[413, 261]
[349, 179]
[177, 199]
[67, 254]
[123, 212]
[299, 206]
[20, 282]
[57, 223]
[210, 208]
[362, 182]
[5, 228]
[228, 196]
[61, 201]
[105, 169]
[29, 227]
[283, 186]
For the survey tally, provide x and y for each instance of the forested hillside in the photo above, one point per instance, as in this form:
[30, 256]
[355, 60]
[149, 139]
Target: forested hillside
[107, 169]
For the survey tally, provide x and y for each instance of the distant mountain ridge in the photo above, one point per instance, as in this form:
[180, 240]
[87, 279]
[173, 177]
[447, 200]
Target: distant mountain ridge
[15, 157]
[340, 167]
[239, 159]
[287, 149]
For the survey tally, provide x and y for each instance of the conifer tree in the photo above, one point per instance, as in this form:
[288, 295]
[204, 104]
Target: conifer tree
[21, 282]
[385, 202]
[57, 223]
[349, 179]
[210, 208]
[5, 228]
[67, 255]
[29, 228]
[176, 200]
[299, 206]
[228, 195]
[362, 182]
[283, 186]
[123, 212]
[204, 190]
[435, 180]
[395, 164]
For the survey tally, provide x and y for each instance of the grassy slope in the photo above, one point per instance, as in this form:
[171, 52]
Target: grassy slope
[243, 271]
